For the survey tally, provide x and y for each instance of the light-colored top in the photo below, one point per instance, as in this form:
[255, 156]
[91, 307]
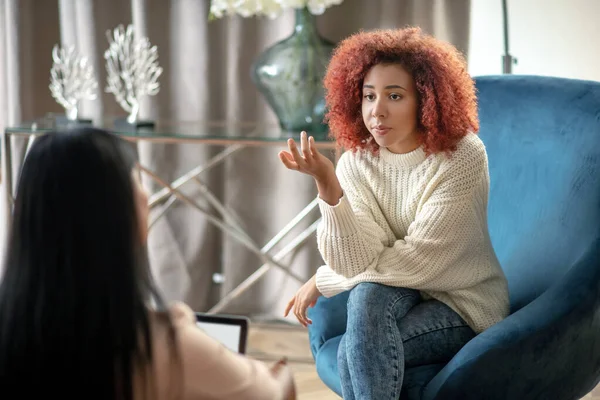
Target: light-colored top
[207, 369]
[418, 222]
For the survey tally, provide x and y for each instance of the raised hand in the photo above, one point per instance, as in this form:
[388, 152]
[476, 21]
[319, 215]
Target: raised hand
[308, 159]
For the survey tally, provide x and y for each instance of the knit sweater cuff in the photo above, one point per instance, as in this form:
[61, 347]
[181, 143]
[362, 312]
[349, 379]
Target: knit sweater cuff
[338, 220]
[329, 283]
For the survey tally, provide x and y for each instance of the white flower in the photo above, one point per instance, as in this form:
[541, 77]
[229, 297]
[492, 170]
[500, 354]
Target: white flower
[318, 7]
[292, 3]
[245, 8]
[219, 8]
[269, 8]
[248, 8]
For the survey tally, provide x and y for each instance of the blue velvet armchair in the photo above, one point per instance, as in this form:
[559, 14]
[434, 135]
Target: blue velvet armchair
[542, 135]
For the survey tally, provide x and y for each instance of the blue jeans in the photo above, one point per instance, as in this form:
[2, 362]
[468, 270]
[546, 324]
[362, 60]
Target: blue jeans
[389, 329]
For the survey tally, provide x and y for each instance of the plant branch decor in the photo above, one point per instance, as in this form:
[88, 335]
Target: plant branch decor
[71, 80]
[132, 69]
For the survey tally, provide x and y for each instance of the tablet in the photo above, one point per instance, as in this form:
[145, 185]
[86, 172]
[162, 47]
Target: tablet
[230, 330]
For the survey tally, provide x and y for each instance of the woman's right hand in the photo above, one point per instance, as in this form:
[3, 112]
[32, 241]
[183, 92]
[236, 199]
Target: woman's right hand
[308, 159]
[315, 164]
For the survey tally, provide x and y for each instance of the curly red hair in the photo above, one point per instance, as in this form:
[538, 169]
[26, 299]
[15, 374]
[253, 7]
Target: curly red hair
[447, 108]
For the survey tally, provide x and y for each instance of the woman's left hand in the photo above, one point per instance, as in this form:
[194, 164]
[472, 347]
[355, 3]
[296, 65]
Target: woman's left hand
[305, 297]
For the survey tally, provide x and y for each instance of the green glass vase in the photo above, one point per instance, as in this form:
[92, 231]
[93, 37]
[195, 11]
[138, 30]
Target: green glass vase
[290, 77]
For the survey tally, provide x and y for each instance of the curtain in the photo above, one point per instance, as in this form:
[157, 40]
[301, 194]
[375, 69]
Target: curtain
[206, 77]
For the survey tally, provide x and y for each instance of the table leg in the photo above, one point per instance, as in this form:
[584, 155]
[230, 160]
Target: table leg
[234, 228]
[256, 275]
[8, 181]
[241, 237]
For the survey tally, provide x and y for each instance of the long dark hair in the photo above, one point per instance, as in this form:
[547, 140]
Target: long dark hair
[76, 290]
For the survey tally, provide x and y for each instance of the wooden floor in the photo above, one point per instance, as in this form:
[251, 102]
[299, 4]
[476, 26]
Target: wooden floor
[269, 342]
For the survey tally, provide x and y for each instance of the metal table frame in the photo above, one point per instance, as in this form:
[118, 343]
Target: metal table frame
[171, 192]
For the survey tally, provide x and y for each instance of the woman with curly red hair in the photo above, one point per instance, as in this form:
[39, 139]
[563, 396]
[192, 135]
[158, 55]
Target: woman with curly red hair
[404, 230]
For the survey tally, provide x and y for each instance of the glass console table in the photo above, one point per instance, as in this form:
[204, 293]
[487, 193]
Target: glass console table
[233, 137]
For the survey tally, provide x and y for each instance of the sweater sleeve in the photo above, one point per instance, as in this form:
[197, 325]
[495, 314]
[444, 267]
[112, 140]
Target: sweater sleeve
[353, 232]
[448, 227]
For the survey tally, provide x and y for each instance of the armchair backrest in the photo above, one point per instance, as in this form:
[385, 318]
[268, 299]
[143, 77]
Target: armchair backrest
[542, 136]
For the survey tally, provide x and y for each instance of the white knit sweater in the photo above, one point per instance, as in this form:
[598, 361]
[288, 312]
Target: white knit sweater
[409, 221]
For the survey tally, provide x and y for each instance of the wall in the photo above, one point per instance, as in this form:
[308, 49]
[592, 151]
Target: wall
[548, 37]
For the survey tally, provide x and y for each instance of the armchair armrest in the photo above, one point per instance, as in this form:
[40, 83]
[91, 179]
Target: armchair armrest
[548, 349]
